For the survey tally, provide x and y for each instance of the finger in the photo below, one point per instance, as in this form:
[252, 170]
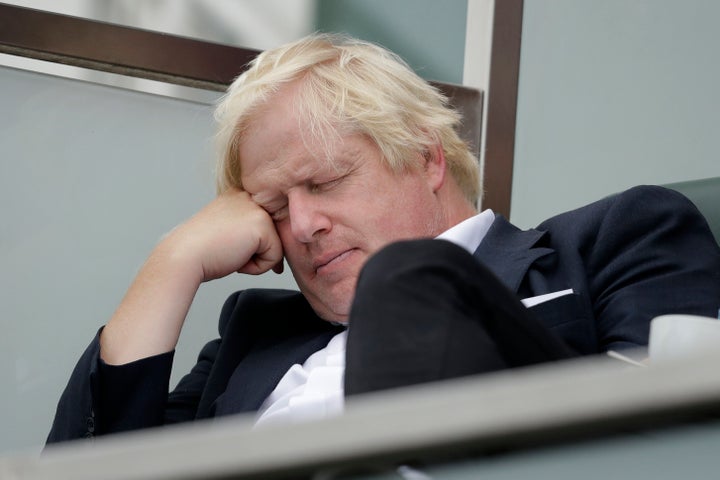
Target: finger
[270, 258]
[257, 265]
[279, 267]
[270, 251]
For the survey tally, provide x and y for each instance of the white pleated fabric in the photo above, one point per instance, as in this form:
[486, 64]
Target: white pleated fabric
[309, 391]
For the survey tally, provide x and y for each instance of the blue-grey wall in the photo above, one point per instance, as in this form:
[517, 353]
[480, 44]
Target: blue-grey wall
[91, 176]
[613, 93]
[428, 34]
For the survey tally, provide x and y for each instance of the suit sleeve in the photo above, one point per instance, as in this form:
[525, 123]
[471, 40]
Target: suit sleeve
[101, 398]
[652, 254]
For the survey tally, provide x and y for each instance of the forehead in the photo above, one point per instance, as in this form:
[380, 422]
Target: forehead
[277, 152]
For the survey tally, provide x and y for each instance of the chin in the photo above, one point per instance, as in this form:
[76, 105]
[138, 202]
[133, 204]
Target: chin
[332, 313]
[335, 303]
[333, 316]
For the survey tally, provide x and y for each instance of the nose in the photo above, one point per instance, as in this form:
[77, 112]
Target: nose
[307, 215]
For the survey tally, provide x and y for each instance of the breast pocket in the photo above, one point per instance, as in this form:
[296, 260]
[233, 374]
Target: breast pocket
[567, 317]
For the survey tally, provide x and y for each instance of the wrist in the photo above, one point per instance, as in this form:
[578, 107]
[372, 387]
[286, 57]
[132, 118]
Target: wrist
[176, 259]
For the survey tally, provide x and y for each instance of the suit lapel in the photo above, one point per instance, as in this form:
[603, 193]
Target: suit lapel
[259, 373]
[263, 332]
[508, 251]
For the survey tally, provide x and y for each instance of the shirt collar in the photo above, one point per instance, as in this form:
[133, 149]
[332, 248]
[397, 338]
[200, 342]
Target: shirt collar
[470, 232]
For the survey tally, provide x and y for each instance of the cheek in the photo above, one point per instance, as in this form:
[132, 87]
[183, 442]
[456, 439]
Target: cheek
[283, 230]
[410, 216]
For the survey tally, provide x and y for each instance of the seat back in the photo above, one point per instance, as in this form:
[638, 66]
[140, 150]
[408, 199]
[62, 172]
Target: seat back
[705, 194]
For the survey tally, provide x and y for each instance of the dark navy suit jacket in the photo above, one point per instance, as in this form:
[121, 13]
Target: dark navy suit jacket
[627, 258]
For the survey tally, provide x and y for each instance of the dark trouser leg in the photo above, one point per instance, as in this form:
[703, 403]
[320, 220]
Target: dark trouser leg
[426, 310]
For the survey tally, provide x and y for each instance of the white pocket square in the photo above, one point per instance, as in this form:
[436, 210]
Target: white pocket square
[532, 301]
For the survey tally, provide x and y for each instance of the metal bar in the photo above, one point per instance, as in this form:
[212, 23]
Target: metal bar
[586, 399]
[158, 56]
[502, 105]
[117, 49]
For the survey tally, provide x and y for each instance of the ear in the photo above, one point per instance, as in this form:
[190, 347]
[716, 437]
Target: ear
[435, 167]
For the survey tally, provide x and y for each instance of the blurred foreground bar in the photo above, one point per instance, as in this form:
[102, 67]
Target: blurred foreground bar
[455, 429]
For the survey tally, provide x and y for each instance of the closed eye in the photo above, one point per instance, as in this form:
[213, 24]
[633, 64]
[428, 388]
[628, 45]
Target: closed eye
[324, 186]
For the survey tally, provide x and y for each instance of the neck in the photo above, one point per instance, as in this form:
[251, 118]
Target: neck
[455, 208]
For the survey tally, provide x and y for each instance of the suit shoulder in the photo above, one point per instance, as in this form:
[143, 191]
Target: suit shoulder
[652, 203]
[645, 200]
[653, 194]
[264, 302]
[270, 311]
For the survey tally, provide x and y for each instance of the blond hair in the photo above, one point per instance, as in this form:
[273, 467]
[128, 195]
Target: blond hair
[348, 86]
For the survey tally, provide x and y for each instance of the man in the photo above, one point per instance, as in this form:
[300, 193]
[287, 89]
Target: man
[339, 159]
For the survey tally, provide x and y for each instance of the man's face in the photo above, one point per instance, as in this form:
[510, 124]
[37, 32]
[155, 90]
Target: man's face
[332, 215]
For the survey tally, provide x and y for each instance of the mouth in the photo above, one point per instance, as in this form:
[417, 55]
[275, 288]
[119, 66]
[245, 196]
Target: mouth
[327, 261]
